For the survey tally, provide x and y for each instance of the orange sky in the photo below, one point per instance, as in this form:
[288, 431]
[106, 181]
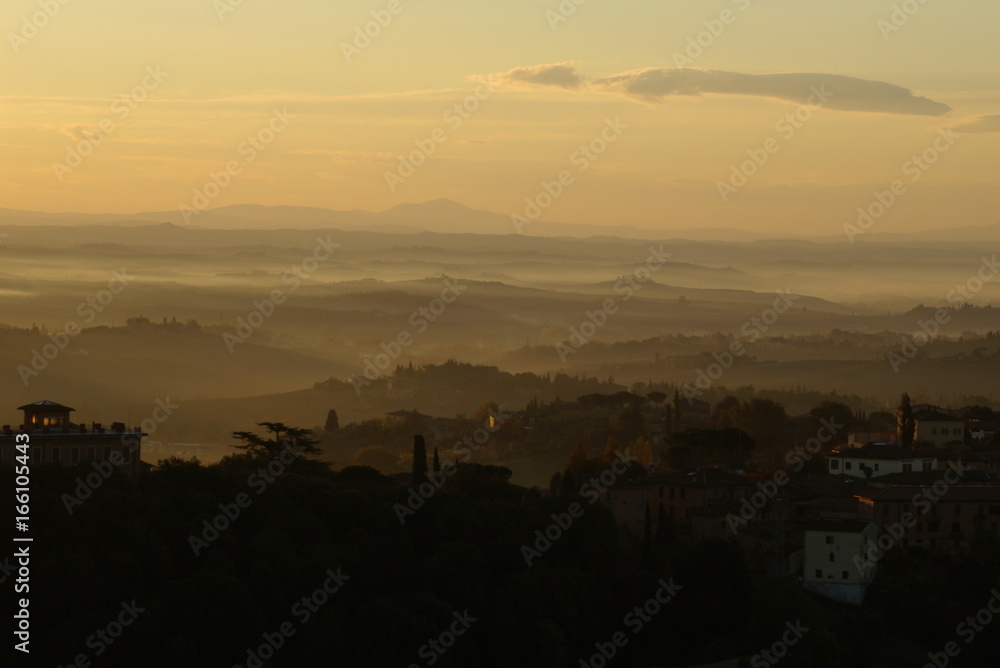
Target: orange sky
[162, 96]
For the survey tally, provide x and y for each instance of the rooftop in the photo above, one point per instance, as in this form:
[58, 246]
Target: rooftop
[955, 493]
[837, 526]
[46, 404]
[883, 452]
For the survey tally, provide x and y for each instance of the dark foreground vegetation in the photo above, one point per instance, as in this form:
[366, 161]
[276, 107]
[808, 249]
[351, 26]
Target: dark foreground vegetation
[214, 598]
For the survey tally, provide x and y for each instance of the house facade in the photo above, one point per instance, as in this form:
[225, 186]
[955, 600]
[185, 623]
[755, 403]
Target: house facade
[876, 459]
[55, 439]
[837, 560]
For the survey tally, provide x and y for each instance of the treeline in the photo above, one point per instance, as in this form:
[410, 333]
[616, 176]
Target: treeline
[460, 552]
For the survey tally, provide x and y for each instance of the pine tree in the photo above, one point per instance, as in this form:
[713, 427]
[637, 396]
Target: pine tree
[437, 461]
[905, 425]
[419, 459]
[332, 421]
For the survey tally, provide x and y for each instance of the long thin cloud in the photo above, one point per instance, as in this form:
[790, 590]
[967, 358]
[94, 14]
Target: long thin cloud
[654, 84]
[980, 124]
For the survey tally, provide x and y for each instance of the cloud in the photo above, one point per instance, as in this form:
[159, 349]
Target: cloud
[79, 132]
[981, 124]
[654, 84]
[563, 75]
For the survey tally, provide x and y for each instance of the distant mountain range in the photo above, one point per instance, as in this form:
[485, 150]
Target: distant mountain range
[448, 217]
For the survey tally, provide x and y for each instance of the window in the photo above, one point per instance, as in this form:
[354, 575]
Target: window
[994, 510]
[819, 573]
[91, 453]
[831, 556]
[55, 455]
[126, 455]
[908, 468]
[683, 491]
[957, 432]
[74, 455]
[671, 492]
[834, 464]
[829, 540]
[847, 466]
[956, 527]
[885, 510]
[875, 468]
[843, 575]
[661, 491]
[958, 509]
[934, 431]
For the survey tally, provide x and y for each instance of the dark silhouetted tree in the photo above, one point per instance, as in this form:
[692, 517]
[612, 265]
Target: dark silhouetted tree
[437, 462]
[332, 421]
[282, 437]
[419, 459]
[905, 425]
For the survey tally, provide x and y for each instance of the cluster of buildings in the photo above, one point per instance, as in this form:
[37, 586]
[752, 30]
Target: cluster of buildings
[830, 530]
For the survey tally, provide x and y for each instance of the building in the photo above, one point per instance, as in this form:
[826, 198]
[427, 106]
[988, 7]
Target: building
[836, 560]
[407, 417]
[54, 439]
[855, 439]
[877, 459]
[937, 426]
[949, 524]
[680, 493]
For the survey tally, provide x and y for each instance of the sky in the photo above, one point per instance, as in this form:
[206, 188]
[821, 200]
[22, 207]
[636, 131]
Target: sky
[767, 115]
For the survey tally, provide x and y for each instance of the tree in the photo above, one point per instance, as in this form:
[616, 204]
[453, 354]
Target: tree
[905, 425]
[332, 421]
[282, 438]
[647, 531]
[766, 422]
[419, 459]
[437, 461]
